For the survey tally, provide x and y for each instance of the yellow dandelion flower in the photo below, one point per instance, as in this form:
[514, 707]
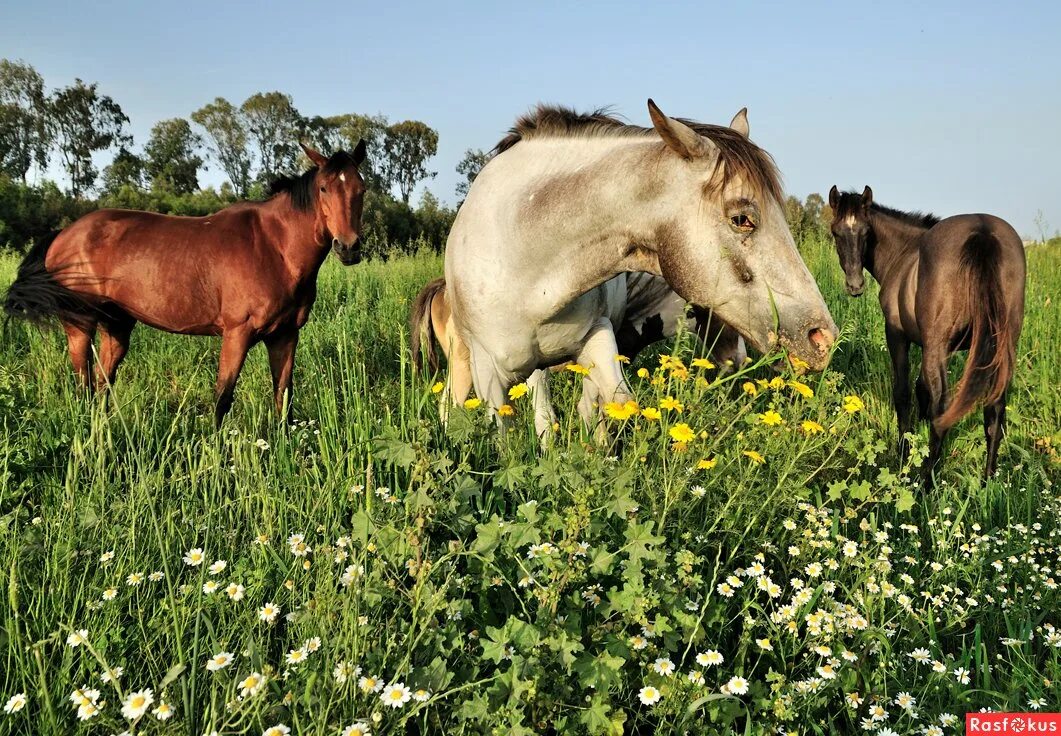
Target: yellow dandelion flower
[615, 410]
[771, 418]
[643, 373]
[853, 404]
[703, 363]
[802, 389]
[437, 388]
[517, 392]
[810, 427]
[777, 382]
[754, 457]
[749, 388]
[506, 410]
[799, 364]
[679, 446]
[672, 404]
[682, 433]
[651, 413]
[473, 403]
[621, 358]
[577, 368]
[707, 464]
[664, 360]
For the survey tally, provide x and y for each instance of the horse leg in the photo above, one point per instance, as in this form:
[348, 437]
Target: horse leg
[899, 350]
[79, 343]
[934, 382]
[994, 428]
[490, 385]
[459, 383]
[234, 347]
[281, 347]
[599, 353]
[114, 344]
[544, 415]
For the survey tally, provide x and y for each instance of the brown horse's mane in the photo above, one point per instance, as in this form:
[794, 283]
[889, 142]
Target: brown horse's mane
[738, 156]
[301, 188]
[851, 202]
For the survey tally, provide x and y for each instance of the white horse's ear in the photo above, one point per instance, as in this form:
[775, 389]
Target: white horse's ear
[739, 122]
[314, 156]
[681, 139]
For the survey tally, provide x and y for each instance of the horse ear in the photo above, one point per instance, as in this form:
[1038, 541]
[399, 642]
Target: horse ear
[867, 197]
[681, 139]
[359, 152]
[834, 198]
[739, 122]
[316, 157]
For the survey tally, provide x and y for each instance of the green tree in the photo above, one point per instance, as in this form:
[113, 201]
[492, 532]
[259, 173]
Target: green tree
[469, 167]
[274, 125]
[126, 170]
[171, 156]
[85, 122]
[24, 133]
[407, 146]
[224, 123]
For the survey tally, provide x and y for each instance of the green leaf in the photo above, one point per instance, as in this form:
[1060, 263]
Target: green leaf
[639, 539]
[905, 501]
[391, 448]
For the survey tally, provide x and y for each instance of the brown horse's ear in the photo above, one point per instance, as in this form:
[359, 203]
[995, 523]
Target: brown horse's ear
[681, 139]
[316, 157]
[359, 152]
[867, 197]
[834, 198]
[739, 122]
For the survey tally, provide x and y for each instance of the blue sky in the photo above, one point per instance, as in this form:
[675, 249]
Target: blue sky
[944, 106]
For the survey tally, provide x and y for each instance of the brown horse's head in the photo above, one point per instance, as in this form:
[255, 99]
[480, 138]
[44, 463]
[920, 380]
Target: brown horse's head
[851, 232]
[339, 199]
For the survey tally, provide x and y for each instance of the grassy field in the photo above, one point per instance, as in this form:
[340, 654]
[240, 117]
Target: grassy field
[371, 567]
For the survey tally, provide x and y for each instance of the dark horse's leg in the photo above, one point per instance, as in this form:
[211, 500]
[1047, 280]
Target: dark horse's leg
[994, 428]
[899, 349]
[79, 342]
[234, 346]
[933, 383]
[114, 344]
[281, 347]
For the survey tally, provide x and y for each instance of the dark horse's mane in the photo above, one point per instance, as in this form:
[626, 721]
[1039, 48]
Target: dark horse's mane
[851, 202]
[738, 156]
[303, 192]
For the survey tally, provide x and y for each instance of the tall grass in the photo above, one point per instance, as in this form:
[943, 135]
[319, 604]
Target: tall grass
[520, 591]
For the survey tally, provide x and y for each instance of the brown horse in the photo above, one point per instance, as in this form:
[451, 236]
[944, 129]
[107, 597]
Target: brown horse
[247, 273]
[946, 285]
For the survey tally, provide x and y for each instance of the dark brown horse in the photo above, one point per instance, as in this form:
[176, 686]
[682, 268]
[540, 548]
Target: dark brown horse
[247, 273]
[946, 285]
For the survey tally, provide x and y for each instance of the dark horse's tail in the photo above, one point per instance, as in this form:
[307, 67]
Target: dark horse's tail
[36, 295]
[421, 333]
[993, 338]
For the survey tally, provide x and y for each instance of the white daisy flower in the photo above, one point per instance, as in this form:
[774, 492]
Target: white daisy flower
[649, 695]
[219, 661]
[396, 695]
[137, 703]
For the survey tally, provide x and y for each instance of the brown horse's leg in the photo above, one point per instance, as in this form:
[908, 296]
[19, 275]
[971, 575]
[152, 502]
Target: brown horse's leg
[934, 385]
[79, 342]
[114, 344]
[994, 428]
[281, 349]
[234, 347]
[899, 349]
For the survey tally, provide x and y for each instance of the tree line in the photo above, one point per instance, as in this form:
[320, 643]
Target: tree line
[251, 143]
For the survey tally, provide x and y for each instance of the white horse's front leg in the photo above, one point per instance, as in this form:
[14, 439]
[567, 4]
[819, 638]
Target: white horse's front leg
[599, 354]
[544, 415]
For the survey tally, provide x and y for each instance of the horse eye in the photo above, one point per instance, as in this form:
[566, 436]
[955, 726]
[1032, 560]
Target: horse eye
[322, 189]
[742, 222]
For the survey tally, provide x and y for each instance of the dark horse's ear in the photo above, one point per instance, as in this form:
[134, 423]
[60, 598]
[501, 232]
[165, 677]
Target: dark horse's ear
[834, 198]
[359, 152]
[867, 197]
[316, 157]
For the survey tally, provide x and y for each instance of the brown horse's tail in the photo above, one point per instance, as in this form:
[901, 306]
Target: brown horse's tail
[421, 331]
[993, 339]
[36, 295]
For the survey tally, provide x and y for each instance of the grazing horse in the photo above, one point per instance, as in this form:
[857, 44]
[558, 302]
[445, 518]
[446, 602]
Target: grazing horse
[570, 201]
[946, 285]
[247, 273]
[642, 308]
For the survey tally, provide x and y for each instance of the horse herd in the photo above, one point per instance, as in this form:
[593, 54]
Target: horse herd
[583, 238]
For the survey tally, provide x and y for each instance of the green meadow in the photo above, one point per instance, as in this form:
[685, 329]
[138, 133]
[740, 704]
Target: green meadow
[753, 560]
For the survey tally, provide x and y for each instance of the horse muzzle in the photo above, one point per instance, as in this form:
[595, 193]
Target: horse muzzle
[348, 255]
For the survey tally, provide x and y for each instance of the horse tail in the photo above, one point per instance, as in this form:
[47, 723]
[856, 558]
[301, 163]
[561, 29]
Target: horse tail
[36, 295]
[421, 329]
[993, 334]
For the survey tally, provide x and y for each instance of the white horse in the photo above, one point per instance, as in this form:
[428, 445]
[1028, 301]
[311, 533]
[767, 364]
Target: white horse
[642, 308]
[570, 201]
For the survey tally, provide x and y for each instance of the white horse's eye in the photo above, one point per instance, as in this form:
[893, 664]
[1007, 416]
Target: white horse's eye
[342, 177]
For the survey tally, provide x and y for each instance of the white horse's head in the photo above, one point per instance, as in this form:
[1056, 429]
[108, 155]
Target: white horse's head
[722, 241]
